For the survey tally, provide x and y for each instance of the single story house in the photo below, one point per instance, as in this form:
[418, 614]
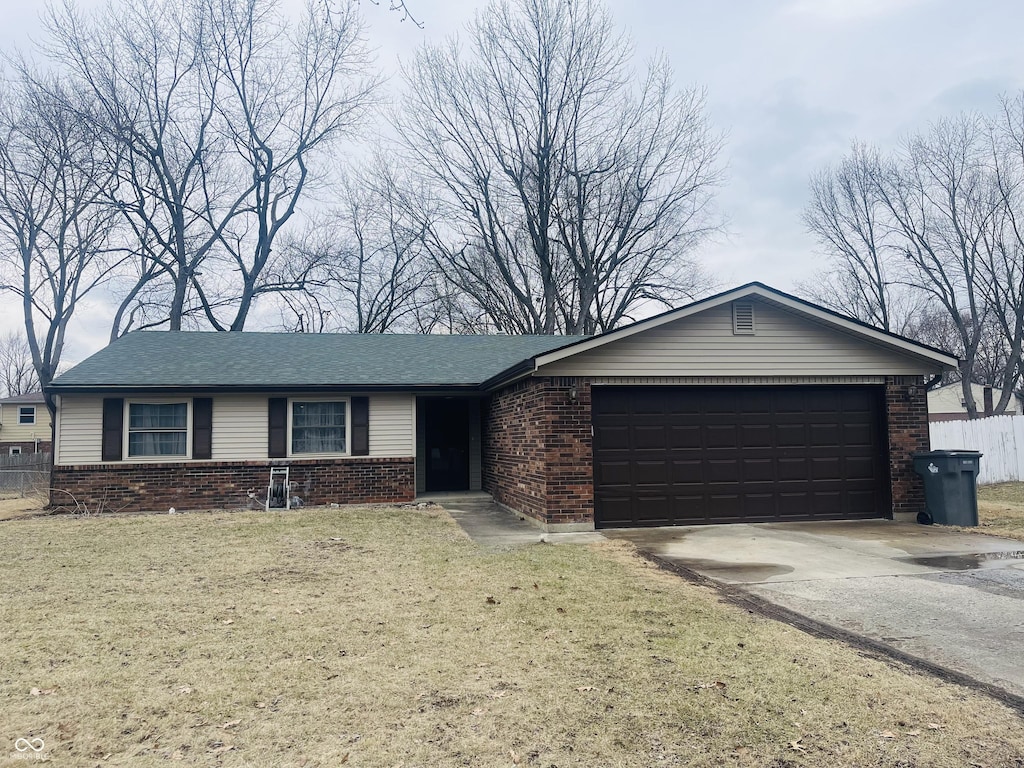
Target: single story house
[24, 424]
[751, 405]
[946, 403]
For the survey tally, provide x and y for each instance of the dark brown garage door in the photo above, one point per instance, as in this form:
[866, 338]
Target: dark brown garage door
[687, 455]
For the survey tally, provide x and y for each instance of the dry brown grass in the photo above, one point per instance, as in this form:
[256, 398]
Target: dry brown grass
[382, 637]
[1001, 510]
[14, 505]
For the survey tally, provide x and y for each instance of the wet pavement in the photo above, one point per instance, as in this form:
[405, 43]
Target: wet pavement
[954, 599]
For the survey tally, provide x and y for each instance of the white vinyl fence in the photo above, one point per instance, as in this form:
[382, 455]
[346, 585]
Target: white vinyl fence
[999, 438]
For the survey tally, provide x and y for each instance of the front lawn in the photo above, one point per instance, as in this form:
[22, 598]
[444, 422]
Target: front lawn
[383, 637]
[1001, 509]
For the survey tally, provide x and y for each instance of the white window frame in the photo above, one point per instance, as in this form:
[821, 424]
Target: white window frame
[21, 421]
[126, 428]
[14, 450]
[348, 426]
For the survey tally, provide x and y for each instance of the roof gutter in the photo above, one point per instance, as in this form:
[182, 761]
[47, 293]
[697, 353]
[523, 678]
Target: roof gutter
[252, 388]
[510, 375]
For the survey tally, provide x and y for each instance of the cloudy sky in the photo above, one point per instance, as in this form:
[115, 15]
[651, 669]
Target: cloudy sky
[790, 83]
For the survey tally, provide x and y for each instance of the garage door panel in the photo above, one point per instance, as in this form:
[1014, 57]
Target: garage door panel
[758, 471]
[826, 435]
[725, 507]
[827, 468]
[722, 471]
[613, 437]
[687, 472]
[683, 437]
[756, 435]
[646, 437]
[791, 468]
[861, 503]
[654, 510]
[617, 511]
[675, 455]
[647, 473]
[721, 436]
[613, 474]
[791, 435]
[859, 468]
[761, 506]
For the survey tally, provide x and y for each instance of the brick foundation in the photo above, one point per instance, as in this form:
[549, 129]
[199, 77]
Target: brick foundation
[907, 417]
[202, 485]
[537, 450]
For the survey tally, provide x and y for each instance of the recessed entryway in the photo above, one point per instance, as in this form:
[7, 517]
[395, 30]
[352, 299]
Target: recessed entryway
[448, 444]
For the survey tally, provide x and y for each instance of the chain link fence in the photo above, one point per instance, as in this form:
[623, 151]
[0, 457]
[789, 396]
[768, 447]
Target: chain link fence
[25, 474]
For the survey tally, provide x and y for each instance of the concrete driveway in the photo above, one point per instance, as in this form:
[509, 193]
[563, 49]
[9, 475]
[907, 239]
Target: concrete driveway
[953, 599]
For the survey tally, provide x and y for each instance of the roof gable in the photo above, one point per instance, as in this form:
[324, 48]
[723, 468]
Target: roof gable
[925, 358]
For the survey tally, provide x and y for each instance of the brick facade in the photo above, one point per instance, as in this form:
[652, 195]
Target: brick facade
[906, 406]
[538, 451]
[202, 485]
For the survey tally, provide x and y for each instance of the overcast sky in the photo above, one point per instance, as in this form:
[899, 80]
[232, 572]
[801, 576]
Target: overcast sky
[790, 83]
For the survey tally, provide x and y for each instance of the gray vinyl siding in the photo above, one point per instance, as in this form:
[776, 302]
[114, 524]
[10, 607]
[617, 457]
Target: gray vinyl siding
[703, 345]
[239, 427]
[79, 430]
[392, 425]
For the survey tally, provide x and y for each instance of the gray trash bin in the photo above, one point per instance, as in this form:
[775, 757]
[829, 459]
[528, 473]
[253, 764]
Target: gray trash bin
[950, 490]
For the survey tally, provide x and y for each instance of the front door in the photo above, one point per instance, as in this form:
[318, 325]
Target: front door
[446, 428]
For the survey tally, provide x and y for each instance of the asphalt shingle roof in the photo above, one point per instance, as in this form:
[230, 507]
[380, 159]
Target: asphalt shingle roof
[28, 397]
[148, 359]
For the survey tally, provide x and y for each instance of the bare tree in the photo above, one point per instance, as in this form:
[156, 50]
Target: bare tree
[17, 371]
[847, 215]
[285, 100]
[927, 228]
[54, 225]
[943, 202]
[368, 257]
[1003, 256]
[218, 108]
[570, 194]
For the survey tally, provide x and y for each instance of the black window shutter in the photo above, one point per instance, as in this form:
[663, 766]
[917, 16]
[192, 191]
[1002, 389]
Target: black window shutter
[202, 427]
[113, 428]
[360, 426]
[277, 439]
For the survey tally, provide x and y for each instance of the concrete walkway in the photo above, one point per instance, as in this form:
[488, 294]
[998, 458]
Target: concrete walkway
[952, 599]
[495, 527]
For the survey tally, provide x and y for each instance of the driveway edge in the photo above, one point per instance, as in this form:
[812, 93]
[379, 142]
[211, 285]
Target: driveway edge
[741, 598]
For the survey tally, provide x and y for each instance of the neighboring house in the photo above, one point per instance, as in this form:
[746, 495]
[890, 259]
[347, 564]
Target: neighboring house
[751, 405]
[24, 424]
[946, 403]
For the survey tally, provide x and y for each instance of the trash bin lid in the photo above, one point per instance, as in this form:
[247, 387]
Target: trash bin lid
[948, 453]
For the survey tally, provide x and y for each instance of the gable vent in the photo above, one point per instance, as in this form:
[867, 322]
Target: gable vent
[742, 318]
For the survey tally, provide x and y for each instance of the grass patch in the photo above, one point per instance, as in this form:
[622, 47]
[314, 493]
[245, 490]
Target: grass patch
[383, 637]
[1001, 510]
[15, 505]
